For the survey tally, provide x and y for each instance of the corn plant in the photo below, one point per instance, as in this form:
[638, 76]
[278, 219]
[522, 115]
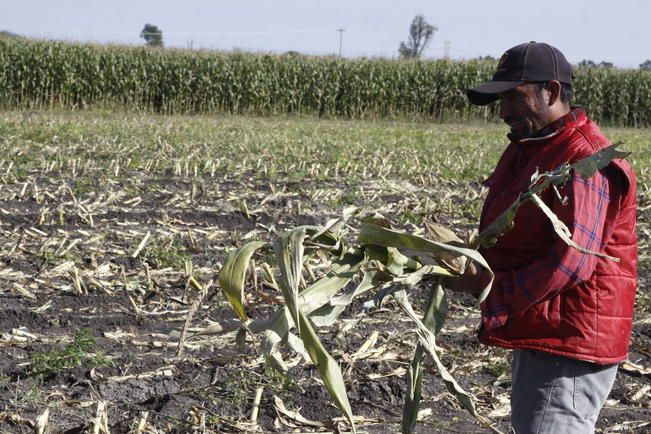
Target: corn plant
[389, 262]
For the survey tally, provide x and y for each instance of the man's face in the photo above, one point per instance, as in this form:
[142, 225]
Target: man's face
[524, 109]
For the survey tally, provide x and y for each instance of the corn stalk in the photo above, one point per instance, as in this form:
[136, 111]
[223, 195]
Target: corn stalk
[389, 262]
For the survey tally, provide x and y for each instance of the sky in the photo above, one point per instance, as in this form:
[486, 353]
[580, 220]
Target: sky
[597, 30]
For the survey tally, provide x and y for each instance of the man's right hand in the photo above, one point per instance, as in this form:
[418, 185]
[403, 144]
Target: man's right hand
[470, 281]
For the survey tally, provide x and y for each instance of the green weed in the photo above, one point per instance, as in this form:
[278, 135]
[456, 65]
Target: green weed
[170, 253]
[238, 390]
[408, 216]
[32, 396]
[77, 353]
[83, 186]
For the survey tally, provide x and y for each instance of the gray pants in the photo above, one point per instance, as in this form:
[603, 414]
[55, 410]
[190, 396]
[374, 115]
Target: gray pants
[555, 394]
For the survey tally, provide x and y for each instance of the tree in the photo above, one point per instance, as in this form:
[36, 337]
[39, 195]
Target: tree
[152, 35]
[592, 64]
[420, 34]
[8, 35]
[646, 65]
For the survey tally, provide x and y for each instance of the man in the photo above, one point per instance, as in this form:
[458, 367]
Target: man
[567, 315]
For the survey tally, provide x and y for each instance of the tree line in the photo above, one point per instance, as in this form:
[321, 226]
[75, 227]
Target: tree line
[421, 33]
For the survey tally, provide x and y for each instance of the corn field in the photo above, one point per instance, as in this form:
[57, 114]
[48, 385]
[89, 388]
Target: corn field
[40, 74]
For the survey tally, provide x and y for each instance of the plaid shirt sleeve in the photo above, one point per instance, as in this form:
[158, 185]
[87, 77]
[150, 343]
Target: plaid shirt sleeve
[563, 267]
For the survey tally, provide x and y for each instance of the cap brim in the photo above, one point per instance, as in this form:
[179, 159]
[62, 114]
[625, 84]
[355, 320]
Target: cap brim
[488, 92]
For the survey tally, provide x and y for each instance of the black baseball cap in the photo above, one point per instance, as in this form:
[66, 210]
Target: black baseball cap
[531, 62]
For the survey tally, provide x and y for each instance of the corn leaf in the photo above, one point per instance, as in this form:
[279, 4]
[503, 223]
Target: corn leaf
[499, 226]
[327, 366]
[231, 276]
[328, 313]
[586, 168]
[289, 251]
[449, 260]
[321, 292]
[433, 319]
[379, 236]
[376, 235]
[396, 261]
[277, 331]
[563, 232]
[313, 297]
[600, 159]
[428, 341]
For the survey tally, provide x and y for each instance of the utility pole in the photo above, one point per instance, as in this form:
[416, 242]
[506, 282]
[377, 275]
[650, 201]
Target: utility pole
[341, 38]
[447, 49]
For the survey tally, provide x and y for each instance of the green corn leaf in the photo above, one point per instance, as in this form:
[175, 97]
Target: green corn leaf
[231, 276]
[277, 332]
[328, 313]
[600, 159]
[433, 319]
[321, 292]
[328, 368]
[380, 254]
[313, 297]
[396, 261]
[379, 236]
[428, 341]
[586, 168]
[289, 251]
[499, 226]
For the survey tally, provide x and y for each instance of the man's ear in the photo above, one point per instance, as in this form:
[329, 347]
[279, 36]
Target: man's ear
[553, 87]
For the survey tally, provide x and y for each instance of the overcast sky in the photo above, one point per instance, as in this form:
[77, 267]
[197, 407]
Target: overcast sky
[599, 30]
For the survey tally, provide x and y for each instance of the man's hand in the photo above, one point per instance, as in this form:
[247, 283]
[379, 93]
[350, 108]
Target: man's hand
[469, 282]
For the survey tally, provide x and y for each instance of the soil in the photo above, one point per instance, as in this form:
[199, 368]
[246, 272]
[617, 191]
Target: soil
[70, 262]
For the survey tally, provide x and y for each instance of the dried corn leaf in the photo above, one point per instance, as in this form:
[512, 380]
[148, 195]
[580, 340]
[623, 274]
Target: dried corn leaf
[562, 231]
[295, 416]
[629, 366]
[452, 261]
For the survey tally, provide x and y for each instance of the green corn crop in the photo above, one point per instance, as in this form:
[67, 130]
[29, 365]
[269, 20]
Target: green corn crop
[40, 75]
